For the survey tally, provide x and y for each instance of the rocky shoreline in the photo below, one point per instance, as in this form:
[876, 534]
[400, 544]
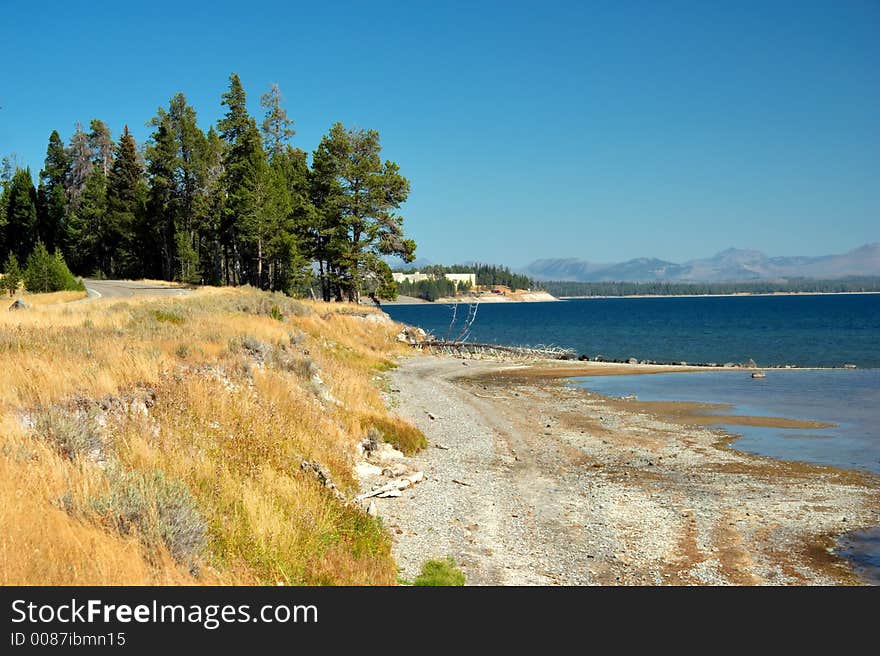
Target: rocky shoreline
[529, 481]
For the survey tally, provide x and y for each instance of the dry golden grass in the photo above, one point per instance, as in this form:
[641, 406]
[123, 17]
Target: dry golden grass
[161, 283]
[48, 298]
[242, 386]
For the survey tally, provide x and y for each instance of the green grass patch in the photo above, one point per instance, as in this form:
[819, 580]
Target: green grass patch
[440, 572]
[400, 435]
[166, 316]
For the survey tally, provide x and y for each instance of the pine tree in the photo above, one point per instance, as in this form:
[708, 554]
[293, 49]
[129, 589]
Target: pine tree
[48, 273]
[244, 182]
[11, 275]
[7, 170]
[289, 263]
[101, 144]
[209, 227]
[358, 216]
[277, 128]
[125, 205]
[190, 183]
[86, 227]
[21, 215]
[158, 229]
[51, 195]
[81, 164]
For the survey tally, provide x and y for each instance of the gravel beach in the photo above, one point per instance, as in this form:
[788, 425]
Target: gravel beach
[529, 481]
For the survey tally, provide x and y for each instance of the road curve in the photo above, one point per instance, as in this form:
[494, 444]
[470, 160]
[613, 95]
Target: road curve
[129, 288]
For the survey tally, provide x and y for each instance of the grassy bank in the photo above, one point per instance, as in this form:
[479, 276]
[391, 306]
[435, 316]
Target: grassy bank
[161, 441]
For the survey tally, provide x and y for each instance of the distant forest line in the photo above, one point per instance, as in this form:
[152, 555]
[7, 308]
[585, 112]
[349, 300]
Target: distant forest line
[800, 285]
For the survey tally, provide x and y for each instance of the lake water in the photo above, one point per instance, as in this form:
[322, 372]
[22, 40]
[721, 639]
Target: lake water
[807, 331]
[816, 331]
[849, 399]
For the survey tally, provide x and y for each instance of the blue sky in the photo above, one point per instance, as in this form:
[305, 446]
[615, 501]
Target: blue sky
[603, 131]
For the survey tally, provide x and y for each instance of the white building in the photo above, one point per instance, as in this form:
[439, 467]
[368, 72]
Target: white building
[457, 278]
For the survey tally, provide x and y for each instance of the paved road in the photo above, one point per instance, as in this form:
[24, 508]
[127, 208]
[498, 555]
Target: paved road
[129, 288]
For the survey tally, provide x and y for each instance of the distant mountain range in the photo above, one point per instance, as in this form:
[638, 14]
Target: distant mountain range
[731, 265]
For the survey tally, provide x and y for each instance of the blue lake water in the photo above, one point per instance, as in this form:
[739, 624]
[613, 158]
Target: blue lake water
[815, 331]
[849, 399]
[808, 331]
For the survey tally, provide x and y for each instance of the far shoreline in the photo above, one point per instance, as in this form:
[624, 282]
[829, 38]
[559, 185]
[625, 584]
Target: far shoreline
[736, 295]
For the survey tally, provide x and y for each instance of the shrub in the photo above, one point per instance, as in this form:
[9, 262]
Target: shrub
[271, 304]
[166, 316]
[12, 275]
[49, 273]
[73, 434]
[156, 509]
[401, 435]
[440, 572]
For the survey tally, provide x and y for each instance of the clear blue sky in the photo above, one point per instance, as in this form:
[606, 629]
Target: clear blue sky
[603, 131]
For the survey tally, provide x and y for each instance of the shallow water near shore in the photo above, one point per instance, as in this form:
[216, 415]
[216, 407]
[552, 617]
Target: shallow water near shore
[848, 399]
[862, 549]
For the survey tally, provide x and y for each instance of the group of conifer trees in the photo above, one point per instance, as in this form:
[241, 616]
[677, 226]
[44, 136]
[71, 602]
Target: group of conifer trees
[237, 204]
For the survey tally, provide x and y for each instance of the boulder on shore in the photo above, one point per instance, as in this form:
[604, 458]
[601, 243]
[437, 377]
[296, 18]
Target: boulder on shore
[19, 305]
[412, 335]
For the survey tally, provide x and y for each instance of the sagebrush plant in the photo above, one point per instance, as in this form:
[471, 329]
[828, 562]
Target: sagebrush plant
[203, 485]
[73, 433]
[160, 511]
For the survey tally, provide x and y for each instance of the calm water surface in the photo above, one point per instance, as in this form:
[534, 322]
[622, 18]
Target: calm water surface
[815, 331]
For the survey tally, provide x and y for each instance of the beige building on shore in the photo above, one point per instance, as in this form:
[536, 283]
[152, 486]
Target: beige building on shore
[457, 278]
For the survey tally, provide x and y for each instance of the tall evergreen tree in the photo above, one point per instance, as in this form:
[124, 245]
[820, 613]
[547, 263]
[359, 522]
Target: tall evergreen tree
[7, 170]
[318, 228]
[190, 181]
[6, 173]
[101, 144]
[126, 196]
[289, 264]
[81, 164]
[209, 227]
[21, 215]
[51, 195]
[277, 127]
[87, 228]
[243, 182]
[158, 229]
[360, 212]
[177, 165]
